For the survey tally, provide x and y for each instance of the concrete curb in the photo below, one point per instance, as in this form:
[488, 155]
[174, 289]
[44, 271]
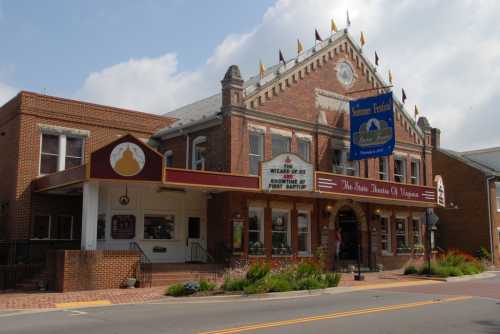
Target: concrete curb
[455, 279]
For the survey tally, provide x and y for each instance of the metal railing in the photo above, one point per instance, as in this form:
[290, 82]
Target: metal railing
[145, 268]
[200, 254]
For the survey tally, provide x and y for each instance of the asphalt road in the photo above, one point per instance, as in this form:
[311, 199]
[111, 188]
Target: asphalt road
[468, 307]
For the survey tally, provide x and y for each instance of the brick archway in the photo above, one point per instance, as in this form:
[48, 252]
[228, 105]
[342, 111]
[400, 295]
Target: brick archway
[358, 210]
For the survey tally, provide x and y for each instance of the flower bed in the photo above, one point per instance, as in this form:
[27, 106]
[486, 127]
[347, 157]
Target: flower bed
[259, 278]
[451, 264]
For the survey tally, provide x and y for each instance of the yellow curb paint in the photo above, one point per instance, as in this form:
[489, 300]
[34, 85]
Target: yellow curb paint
[395, 285]
[335, 315]
[83, 304]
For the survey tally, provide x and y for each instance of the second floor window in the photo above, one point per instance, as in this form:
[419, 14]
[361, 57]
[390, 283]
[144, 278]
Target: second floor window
[304, 147]
[60, 152]
[415, 172]
[169, 159]
[497, 186]
[198, 154]
[383, 168]
[342, 164]
[256, 152]
[280, 144]
[399, 170]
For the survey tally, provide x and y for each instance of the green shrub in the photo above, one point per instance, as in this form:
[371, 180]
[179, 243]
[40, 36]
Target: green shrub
[177, 290]
[258, 271]
[235, 284]
[206, 285]
[454, 271]
[483, 254]
[278, 283]
[311, 283]
[256, 288]
[411, 270]
[332, 279]
[306, 269]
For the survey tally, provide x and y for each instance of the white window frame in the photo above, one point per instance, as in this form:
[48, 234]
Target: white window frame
[61, 155]
[308, 233]
[194, 162]
[420, 240]
[168, 154]
[33, 225]
[260, 156]
[388, 233]
[260, 214]
[403, 159]
[383, 174]
[307, 155]
[345, 165]
[280, 137]
[415, 179]
[497, 190]
[288, 225]
[406, 233]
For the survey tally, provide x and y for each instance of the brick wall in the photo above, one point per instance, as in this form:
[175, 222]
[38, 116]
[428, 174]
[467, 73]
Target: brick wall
[20, 120]
[76, 270]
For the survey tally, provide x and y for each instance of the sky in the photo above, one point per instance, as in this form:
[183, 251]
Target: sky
[154, 56]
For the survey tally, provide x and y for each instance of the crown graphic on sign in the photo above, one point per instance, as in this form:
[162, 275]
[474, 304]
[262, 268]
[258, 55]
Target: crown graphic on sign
[288, 160]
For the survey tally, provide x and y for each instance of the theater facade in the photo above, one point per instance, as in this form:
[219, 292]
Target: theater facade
[260, 170]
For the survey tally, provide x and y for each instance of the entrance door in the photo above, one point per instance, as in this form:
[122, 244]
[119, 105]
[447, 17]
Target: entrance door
[196, 244]
[348, 223]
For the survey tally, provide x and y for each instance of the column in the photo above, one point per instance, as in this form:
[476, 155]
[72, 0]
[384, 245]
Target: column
[89, 215]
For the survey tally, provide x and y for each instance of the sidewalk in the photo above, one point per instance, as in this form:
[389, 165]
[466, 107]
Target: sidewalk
[47, 300]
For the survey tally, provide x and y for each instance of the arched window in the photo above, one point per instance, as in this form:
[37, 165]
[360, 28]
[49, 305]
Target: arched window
[198, 153]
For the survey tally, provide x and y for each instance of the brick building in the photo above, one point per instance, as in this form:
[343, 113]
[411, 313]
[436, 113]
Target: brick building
[193, 185]
[471, 218]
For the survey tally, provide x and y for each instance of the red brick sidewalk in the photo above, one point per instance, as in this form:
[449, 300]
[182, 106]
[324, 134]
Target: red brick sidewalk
[44, 300]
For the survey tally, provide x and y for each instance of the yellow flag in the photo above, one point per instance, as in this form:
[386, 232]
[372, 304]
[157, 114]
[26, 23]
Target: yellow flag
[416, 111]
[262, 69]
[333, 26]
[390, 77]
[362, 39]
[300, 47]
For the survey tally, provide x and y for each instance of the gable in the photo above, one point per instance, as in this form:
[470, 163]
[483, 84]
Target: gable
[127, 158]
[312, 89]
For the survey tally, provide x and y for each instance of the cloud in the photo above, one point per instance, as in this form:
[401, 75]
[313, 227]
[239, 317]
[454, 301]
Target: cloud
[6, 93]
[445, 54]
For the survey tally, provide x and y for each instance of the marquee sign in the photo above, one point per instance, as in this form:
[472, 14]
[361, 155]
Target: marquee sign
[287, 172]
[347, 185]
[372, 127]
[440, 191]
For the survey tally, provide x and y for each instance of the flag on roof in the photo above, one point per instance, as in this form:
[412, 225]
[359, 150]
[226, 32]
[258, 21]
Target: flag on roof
[403, 95]
[333, 26]
[416, 111]
[348, 21]
[362, 39]
[376, 58]
[282, 58]
[317, 36]
[300, 47]
[262, 69]
[390, 77]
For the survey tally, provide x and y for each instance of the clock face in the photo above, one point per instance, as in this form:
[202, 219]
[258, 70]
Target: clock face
[345, 74]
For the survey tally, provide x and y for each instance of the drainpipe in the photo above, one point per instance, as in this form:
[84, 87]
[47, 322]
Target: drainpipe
[187, 150]
[492, 251]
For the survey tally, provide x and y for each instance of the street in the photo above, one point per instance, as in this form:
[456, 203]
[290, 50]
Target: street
[464, 307]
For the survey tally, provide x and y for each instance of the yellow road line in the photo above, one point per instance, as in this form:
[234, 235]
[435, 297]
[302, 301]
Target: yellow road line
[334, 316]
[395, 285]
[83, 304]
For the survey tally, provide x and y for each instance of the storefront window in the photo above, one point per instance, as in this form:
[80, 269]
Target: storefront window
[256, 153]
[62, 228]
[41, 227]
[123, 227]
[385, 235]
[256, 231]
[417, 235]
[159, 227]
[383, 169]
[280, 144]
[401, 236]
[415, 172]
[281, 232]
[399, 170]
[304, 149]
[304, 232]
[342, 164]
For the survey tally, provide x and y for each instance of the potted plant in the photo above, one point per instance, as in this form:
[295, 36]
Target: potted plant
[131, 282]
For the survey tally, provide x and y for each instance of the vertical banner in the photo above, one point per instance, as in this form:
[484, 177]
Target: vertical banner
[238, 226]
[372, 127]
